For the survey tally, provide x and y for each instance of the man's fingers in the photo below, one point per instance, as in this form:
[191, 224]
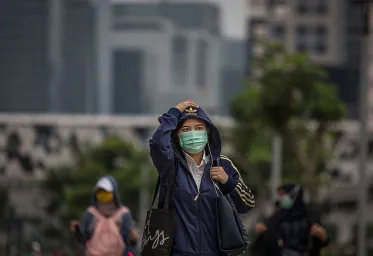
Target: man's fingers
[214, 177]
[215, 173]
[216, 170]
[192, 103]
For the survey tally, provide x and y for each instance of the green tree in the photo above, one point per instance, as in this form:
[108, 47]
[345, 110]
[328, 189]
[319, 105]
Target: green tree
[70, 188]
[291, 98]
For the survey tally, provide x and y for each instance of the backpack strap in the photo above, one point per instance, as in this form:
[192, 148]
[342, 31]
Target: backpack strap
[95, 213]
[120, 212]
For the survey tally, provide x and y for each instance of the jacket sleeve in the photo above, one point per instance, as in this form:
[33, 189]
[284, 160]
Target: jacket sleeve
[317, 243]
[241, 195]
[126, 227]
[85, 228]
[160, 144]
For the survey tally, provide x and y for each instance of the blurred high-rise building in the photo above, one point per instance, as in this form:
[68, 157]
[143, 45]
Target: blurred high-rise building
[329, 31]
[34, 36]
[23, 55]
[179, 54]
[82, 56]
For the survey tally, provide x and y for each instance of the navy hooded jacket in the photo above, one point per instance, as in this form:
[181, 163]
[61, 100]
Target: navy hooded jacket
[195, 231]
[86, 227]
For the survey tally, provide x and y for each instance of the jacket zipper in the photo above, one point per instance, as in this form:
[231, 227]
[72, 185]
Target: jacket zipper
[182, 161]
[196, 197]
[207, 167]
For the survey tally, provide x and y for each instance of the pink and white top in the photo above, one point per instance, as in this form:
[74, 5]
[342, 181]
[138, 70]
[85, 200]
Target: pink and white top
[106, 239]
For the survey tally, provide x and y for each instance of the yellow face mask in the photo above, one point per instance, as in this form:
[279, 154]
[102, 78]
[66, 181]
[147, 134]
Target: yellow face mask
[104, 197]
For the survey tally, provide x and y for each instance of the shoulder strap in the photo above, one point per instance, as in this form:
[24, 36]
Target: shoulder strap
[170, 187]
[120, 212]
[156, 190]
[95, 213]
[216, 162]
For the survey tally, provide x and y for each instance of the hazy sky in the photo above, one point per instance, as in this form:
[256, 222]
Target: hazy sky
[233, 14]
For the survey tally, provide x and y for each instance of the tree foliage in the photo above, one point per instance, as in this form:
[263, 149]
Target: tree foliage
[292, 98]
[69, 189]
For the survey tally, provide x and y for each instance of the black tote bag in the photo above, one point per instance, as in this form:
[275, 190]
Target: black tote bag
[233, 238]
[159, 225]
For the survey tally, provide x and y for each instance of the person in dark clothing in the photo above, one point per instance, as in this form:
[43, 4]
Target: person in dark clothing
[266, 242]
[320, 238]
[299, 234]
[292, 230]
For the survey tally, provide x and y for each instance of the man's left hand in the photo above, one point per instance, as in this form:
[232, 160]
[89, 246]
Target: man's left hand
[318, 231]
[218, 174]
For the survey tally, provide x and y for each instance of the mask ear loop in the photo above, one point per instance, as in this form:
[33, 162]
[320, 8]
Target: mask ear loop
[216, 187]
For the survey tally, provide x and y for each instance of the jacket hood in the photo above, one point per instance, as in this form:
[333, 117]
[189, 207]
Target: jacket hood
[214, 139]
[107, 183]
[299, 208]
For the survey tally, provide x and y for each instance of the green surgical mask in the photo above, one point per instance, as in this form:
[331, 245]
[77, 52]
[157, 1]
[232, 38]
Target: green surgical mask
[286, 202]
[194, 141]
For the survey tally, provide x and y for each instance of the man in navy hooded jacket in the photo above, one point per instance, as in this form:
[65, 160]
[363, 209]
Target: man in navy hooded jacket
[187, 138]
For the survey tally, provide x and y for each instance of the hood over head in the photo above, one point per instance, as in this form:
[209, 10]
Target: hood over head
[299, 209]
[109, 184]
[214, 139]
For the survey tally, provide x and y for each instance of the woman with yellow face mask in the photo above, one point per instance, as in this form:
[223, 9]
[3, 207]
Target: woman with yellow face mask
[104, 197]
[98, 221]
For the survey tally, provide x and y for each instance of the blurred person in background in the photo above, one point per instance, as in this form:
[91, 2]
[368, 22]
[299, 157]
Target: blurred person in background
[292, 230]
[106, 226]
[187, 138]
[299, 234]
[266, 242]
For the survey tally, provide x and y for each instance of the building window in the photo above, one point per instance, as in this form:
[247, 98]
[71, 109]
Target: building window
[201, 65]
[321, 6]
[318, 7]
[303, 37]
[302, 6]
[179, 60]
[312, 39]
[321, 39]
[279, 32]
